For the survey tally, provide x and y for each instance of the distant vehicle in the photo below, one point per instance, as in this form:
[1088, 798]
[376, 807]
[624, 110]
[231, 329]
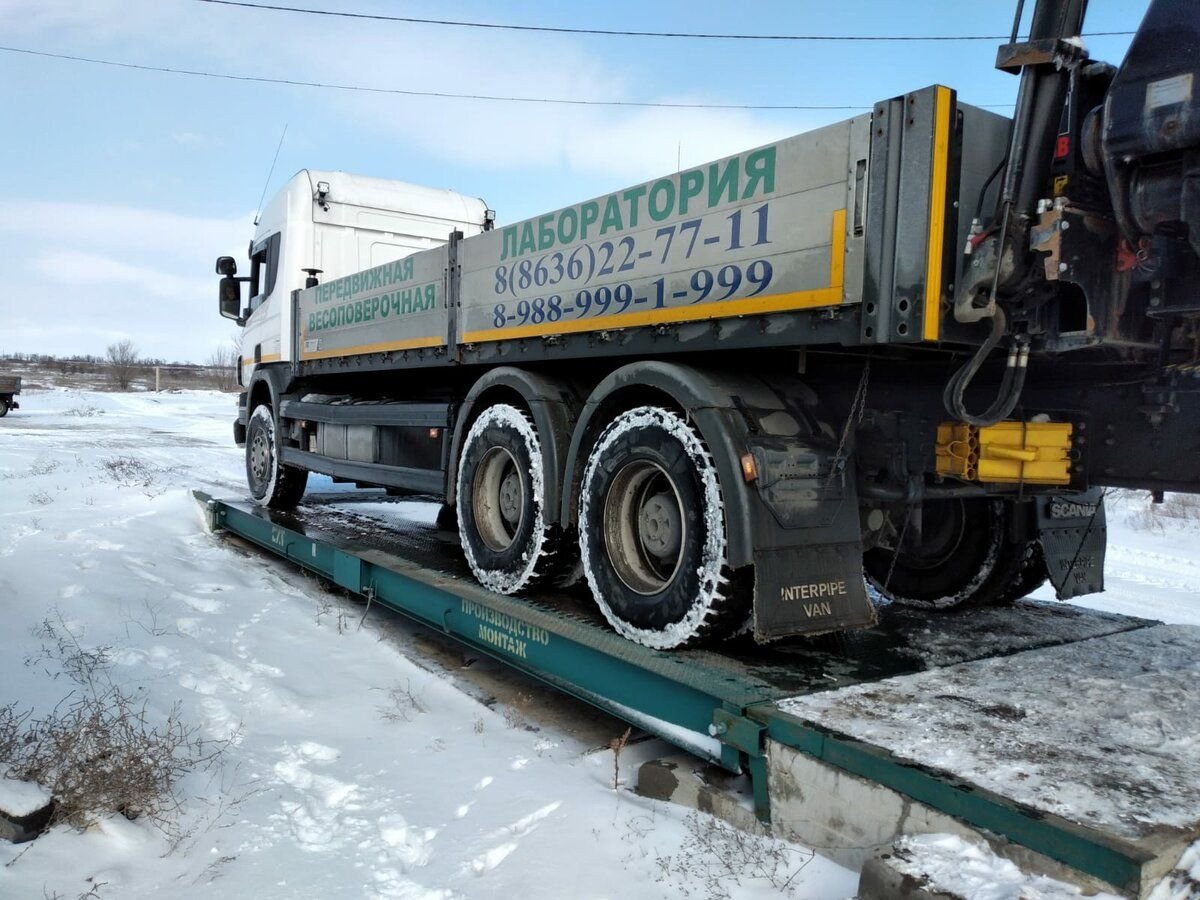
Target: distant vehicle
[9, 388]
[726, 395]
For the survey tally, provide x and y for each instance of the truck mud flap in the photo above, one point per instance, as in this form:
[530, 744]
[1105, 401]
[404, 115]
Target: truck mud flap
[808, 567]
[809, 590]
[1073, 533]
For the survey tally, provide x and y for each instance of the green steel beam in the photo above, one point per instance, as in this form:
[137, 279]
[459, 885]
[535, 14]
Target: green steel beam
[660, 692]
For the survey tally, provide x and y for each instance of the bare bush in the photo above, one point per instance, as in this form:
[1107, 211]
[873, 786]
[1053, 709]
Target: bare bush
[1184, 507]
[341, 621]
[518, 712]
[84, 412]
[616, 745]
[402, 705]
[222, 368]
[715, 858]
[12, 724]
[1176, 510]
[61, 654]
[122, 362]
[99, 753]
[129, 471]
[101, 750]
[44, 466]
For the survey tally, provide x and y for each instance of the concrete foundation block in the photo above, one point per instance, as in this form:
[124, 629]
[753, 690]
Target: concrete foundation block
[695, 784]
[850, 820]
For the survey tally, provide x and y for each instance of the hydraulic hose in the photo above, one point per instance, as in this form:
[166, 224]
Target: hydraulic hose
[1011, 384]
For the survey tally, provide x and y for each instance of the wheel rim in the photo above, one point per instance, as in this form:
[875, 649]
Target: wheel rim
[644, 527]
[943, 525]
[260, 457]
[498, 499]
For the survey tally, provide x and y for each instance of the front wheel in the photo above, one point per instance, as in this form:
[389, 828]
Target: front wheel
[272, 484]
[652, 533]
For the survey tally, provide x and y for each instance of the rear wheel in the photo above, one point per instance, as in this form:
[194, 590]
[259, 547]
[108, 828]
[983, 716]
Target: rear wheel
[1029, 573]
[961, 555]
[652, 533]
[272, 484]
[3, 407]
[501, 503]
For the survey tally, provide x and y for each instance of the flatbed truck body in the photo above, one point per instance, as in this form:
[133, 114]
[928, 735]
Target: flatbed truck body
[720, 396]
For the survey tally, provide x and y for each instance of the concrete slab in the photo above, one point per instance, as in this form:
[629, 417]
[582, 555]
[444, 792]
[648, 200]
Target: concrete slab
[1102, 734]
[851, 819]
[943, 867]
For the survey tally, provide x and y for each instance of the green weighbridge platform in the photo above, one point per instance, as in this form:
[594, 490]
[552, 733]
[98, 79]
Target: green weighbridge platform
[1022, 724]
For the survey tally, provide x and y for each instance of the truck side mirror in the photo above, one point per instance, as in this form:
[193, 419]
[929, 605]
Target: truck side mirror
[226, 265]
[230, 294]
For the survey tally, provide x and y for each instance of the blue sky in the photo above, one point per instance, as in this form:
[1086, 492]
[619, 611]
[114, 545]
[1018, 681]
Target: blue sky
[123, 186]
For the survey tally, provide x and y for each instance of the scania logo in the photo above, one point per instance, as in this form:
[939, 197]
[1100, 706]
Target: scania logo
[1067, 509]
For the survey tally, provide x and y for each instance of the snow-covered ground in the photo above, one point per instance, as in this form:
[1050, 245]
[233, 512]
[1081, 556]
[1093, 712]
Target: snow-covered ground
[351, 766]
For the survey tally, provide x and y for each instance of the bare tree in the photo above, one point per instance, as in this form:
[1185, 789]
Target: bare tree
[222, 367]
[122, 361]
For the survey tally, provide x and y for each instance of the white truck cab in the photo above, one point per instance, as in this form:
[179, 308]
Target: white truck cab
[325, 225]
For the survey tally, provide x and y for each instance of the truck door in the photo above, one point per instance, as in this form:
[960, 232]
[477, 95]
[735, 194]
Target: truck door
[261, 342]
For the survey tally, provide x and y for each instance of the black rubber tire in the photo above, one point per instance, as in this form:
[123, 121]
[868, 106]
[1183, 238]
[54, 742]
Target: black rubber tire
[968, 558]
[699, 600]
[3, 408]
[1029, 573]
[271, 483]
[447, 518]
[535, 553]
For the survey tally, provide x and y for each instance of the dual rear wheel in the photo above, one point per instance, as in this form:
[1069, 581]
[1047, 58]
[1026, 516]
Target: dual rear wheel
[652, 532]
[963, 554]
[501, 510]
[651, 527]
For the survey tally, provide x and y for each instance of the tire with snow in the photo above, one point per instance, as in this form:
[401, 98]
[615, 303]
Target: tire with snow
[501, 503]
[962, 557]
[1029, 572]
[3, 407]
[272, 484]
[652, 533]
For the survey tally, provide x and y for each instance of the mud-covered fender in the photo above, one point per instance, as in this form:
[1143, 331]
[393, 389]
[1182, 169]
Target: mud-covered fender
[553, 404]
[727, 408]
